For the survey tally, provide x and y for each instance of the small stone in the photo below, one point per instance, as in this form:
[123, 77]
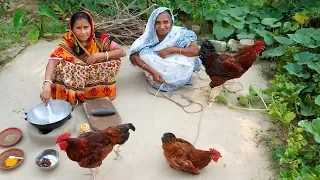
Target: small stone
[220, 46]
[195, 28]
[234, 45]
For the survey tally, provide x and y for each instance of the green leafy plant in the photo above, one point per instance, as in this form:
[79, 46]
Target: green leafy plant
[8, 36]
[312, 127]
[300, 157]
[38, 29]
[255, 95]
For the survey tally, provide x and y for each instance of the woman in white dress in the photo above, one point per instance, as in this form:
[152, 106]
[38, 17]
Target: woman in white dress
[166, 53]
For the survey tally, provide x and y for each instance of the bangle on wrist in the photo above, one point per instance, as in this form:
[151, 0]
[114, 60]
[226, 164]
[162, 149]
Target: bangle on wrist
[106, 55]
[143, 66]
[47, 81]
[180, 50]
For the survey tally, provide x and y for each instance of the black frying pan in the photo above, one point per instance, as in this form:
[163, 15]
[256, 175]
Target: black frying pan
[40, 117]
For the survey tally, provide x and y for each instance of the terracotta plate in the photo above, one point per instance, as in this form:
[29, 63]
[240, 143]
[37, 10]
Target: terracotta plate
[10, 136]
[11, 152]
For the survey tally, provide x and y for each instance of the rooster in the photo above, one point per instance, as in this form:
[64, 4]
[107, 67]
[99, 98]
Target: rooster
[91, 148]
[183, 156]
[223, 67]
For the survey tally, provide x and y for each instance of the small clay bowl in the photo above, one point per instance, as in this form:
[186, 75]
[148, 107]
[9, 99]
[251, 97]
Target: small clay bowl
[10, 136]
[11, 152]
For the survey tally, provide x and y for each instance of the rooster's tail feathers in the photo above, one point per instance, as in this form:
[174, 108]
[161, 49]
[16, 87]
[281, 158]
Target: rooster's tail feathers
[126, 127]
[206, 49]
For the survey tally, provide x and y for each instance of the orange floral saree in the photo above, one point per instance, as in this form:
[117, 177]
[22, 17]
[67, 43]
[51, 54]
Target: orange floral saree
[74, 79]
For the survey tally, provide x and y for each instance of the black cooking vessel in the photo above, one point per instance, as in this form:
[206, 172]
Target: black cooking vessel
[45, 129]
[38, 115]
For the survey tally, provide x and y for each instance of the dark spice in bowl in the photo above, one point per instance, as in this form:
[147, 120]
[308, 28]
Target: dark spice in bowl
[45, 162]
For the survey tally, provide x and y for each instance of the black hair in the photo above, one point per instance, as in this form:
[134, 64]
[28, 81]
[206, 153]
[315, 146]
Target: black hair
[77, 16]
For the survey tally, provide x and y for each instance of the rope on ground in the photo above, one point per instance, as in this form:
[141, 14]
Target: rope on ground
[184, 106]
[198, 128]
[233, 83]
[189, 99]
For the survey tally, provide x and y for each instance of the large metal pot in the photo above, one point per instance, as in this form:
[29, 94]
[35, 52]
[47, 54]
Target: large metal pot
[40, 117]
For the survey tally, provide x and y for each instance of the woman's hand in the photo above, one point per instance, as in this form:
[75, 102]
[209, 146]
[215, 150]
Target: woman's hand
[156, 77]
[94, 58]
[45, 95]
[164, 52]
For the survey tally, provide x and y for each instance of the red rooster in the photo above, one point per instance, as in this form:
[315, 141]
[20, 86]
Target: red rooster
[91, 148]
[223, 67]
[183, 156]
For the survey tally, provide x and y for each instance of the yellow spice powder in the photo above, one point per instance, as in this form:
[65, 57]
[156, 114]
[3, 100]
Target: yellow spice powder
[11, 162]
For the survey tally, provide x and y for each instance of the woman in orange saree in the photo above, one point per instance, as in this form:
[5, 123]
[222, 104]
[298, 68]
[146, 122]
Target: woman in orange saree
[84, 65]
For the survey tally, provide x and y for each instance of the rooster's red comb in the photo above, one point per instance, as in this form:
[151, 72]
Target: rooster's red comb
[63, 137]
[214, 150]
[260, 43]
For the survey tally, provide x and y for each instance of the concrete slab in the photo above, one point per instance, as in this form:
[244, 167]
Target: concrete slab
[233, 133]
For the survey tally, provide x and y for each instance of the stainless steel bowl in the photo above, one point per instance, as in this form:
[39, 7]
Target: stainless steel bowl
[50, 154]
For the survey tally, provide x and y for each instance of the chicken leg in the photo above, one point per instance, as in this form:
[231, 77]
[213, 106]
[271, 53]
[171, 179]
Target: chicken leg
[117, 151]
[93, 173]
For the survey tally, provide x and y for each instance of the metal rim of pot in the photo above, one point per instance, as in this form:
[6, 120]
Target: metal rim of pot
[36, 115]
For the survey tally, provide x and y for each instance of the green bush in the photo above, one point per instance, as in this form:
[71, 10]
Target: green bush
[37, 25]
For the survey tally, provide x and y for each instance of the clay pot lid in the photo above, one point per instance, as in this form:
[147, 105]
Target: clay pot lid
[11, 152]
[10, 136]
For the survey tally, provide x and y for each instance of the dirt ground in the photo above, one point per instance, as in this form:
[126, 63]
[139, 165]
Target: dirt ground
[236, 134]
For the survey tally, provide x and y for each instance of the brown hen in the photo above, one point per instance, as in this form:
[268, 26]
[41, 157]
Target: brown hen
[91, 148]
[183, 156]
